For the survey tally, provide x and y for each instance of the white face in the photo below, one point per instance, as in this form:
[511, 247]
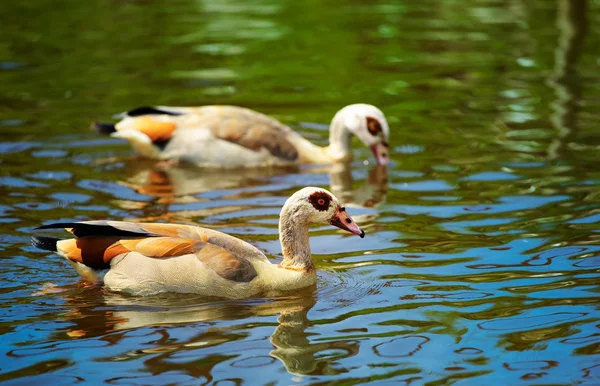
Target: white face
[319, 206]
[368, 123]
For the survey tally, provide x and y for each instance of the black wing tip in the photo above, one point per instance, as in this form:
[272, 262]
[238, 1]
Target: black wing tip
[104, 128]
[57, 225]
[98, 228]
[149, 110]
[46, 243]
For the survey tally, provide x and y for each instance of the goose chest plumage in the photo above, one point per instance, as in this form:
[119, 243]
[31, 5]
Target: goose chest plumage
[150, 258]
[231, 136]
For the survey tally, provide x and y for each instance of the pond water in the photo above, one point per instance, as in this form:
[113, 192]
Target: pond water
[482, 255]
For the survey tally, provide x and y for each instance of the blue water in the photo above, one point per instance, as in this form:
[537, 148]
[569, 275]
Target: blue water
[482, 255]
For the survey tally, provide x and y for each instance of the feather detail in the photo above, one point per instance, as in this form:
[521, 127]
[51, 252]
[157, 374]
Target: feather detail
[250, 129]
[97, 252]
[101, 228]
[225, 264]
[150, 110]
[162, 247]
[94, 252]
[157, 131]
[170, 230]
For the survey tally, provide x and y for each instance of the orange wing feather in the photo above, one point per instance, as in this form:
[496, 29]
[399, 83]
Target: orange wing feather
[176, 230]
[97, 252]
[169, 230]
[167, 246]
[156, 130]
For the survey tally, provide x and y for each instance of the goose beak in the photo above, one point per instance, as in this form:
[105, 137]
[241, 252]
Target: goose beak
[342, 220]
[380, 151]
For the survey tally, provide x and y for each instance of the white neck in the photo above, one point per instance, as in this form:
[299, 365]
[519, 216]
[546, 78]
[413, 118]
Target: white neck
[340, 139]
[293, 235]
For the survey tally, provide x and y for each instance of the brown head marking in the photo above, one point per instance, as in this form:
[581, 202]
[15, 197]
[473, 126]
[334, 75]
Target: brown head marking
[373, 126]
[320, 200]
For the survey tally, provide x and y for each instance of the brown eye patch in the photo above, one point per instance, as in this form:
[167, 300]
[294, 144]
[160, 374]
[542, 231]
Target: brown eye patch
[320, 200]
[373, 126]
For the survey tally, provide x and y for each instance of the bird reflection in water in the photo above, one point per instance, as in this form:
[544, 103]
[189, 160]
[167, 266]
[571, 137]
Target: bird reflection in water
[108, 317]
[299, 356]
[368, 195]
[181, 184]
[172, 183]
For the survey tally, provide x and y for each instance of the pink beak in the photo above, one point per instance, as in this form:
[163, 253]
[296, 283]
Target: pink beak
[342, 220]
[380, 151]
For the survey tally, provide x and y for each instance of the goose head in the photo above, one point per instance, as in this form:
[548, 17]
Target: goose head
[366, 122]
[318, 206]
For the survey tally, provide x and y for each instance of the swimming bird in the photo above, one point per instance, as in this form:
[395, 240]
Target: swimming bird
[150, 258]
[231, 136]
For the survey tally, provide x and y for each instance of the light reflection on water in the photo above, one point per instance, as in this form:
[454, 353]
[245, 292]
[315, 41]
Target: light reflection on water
[482, 251]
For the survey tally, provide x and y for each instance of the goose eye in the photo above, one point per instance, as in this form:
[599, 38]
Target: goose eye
[373, 126]
[320, 200]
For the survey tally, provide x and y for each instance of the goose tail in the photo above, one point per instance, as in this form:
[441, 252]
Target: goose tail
[104, 128]
[47, 243]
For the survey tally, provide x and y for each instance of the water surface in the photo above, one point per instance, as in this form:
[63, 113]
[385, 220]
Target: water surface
[482, 254]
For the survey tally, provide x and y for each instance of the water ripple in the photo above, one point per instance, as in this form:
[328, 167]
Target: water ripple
[481, 256]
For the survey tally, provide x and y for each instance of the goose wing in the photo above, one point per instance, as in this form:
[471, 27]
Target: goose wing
[98, 242]
[244, 127]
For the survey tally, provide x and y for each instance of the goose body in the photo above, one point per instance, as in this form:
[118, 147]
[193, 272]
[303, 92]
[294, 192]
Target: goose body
[146, 258]
[232, 137]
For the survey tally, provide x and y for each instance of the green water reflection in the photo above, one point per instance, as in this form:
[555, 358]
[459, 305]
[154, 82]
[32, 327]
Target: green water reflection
[482, 253]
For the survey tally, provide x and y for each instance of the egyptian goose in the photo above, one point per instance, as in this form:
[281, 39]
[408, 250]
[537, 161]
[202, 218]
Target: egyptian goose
[146, 258]
[231, 136]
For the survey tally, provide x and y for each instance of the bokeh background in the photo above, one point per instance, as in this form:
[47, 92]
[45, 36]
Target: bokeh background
[481, 259]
